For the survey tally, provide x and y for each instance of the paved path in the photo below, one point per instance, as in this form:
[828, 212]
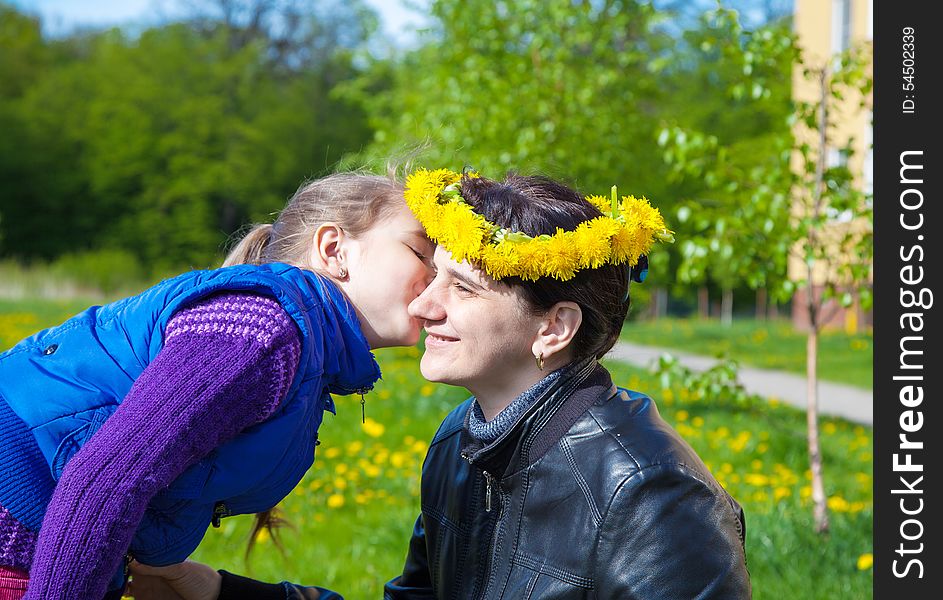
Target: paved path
[850, 402]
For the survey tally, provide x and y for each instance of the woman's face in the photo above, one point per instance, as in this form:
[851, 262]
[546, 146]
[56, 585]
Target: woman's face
[479, 331]
[389, 265]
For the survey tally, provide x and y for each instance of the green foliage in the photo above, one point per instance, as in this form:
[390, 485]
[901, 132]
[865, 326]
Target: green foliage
[567, 89]
[729, 153]
[107, 271]
[165, 143]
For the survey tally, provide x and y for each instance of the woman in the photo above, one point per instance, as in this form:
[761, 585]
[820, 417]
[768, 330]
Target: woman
[128, 429]
[550, 482]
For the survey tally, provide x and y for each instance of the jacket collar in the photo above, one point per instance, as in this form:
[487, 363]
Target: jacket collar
[542, 425]
[349, 365]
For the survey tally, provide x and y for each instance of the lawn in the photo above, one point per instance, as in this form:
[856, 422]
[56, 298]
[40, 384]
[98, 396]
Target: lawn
[842, 358]
[351, 516]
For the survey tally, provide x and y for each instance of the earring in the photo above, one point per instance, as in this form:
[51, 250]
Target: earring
[540, 360]
[363, 409]
[342, 272]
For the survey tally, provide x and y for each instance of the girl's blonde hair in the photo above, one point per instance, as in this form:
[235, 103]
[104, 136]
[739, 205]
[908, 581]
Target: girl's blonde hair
[355, 201]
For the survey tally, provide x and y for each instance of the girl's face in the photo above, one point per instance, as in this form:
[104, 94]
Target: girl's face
[480, 334]
[389, 266]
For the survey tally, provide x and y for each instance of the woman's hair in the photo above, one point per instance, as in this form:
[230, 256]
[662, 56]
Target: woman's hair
[355, 201]
[538, 205]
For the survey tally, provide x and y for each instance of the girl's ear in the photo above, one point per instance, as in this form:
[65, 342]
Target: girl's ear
[557, 330]
[328, 252]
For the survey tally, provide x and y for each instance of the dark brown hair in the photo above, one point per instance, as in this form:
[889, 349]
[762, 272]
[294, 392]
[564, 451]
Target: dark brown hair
[538, 205]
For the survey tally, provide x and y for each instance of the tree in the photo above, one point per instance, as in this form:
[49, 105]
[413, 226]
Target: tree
[776, 208]
[833, 222]
[165, 142]
[727, 141]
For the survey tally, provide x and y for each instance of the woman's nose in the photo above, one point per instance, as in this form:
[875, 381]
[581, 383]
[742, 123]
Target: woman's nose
[425, 306]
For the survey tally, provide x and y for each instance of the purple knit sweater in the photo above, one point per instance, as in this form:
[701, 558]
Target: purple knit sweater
[226, 364]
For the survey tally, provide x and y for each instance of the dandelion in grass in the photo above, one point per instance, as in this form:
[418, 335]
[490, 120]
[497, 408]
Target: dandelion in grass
[838, 504]
[373, 428]
[865, 561]
[335, 500]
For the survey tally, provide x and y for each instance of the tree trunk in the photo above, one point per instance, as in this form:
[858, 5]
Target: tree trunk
[761, 304]
[812, 413]
[726, 307]
[703, 302]
[659, 304]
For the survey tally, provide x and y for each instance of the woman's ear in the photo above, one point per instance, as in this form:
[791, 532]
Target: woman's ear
[557, 330]
[328, 251]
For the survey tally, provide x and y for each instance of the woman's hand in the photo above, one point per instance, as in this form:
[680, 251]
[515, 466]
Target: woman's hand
[187, 580]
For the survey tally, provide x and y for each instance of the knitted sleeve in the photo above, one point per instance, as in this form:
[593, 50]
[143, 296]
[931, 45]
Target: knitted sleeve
[225, 365]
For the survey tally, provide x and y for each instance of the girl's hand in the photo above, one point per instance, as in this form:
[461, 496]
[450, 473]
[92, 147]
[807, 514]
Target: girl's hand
[188, 580]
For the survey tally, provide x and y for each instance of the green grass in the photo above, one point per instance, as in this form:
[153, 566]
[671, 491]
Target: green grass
[21, 318]
[352, 515]
[842, 358]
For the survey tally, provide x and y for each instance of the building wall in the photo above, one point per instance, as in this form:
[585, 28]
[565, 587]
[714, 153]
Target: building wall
[824, 28]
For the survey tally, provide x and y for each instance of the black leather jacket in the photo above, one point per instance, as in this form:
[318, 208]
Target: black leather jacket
[590, 495]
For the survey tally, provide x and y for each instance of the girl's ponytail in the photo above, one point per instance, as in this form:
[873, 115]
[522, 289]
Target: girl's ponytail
[251, 247]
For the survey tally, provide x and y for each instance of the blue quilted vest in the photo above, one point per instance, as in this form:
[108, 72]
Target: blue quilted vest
[58, 386]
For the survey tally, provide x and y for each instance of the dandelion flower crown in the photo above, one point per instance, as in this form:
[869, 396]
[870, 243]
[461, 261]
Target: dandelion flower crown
[625, 232]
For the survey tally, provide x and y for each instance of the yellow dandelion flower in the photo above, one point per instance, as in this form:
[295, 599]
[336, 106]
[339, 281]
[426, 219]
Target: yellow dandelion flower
[681, 415]
[339, 483]
[341, 468]
[500, 261]
[335, 500]
[419, 447]
[865, 561]
[781, 492]
[398, 459]
[592, 242]
[602, 203]
[838, 504]
[756, 479]
[373, 428]
[332, 452]
[563, 256]
[427, 389]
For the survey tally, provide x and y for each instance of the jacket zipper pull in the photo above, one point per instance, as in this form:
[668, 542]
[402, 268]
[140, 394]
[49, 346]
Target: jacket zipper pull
[488, 480]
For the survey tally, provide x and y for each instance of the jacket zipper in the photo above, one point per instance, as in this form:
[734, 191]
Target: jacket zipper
[489, 480]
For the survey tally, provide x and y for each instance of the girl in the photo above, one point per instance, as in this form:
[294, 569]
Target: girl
[128, 429]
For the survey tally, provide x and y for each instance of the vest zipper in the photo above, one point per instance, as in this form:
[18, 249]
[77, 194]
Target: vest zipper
[220, 510]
